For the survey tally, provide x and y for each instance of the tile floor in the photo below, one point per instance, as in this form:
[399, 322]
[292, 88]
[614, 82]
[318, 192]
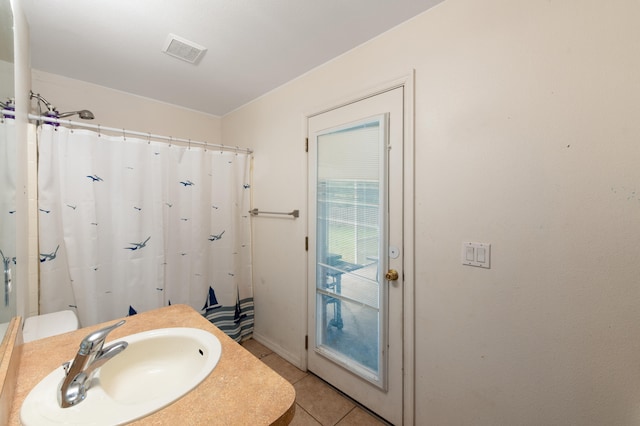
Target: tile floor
[317, 403]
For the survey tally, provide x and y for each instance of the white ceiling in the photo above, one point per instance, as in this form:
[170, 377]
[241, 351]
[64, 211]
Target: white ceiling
[253, 46]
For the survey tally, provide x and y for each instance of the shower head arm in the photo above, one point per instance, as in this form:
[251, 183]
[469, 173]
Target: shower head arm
[40, 98]
[67, 114]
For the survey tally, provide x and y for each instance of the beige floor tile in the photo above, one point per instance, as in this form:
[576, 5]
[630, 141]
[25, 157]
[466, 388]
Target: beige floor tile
[257, 349]
[283, 368]
[359, 417]
[321, 401]
[302, 418]
[316, 402]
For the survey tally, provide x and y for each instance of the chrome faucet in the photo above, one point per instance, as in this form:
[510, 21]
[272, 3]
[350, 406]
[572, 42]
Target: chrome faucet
[91, 355]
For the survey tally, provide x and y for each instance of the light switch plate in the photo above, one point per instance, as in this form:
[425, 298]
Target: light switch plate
[476, 254]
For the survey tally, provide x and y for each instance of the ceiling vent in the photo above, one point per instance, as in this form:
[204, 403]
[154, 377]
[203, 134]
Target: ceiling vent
[181, 48]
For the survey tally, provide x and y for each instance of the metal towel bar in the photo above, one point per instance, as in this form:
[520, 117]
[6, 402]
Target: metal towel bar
[256, 212]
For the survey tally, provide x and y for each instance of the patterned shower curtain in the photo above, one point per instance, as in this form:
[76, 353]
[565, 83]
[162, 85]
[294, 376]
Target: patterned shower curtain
[129, 225]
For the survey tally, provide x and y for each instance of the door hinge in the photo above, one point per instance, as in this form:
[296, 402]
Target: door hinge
[306, 342]
[306, 243]
[306, 145]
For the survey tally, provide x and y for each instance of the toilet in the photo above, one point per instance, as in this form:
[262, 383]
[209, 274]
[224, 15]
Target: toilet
[48, 325]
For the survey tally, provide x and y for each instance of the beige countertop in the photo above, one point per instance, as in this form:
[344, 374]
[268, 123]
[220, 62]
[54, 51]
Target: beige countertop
[241, 390]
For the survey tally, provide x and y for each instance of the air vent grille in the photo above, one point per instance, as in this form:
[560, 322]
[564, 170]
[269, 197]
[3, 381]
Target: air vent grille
[181, 48]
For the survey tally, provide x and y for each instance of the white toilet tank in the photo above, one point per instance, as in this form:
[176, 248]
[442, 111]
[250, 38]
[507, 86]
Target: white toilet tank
[48, 325]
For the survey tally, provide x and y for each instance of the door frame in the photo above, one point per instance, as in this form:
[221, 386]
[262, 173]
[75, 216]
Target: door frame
[405, 81]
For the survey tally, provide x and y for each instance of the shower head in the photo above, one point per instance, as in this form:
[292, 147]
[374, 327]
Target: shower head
[52, 112]
[84, 114]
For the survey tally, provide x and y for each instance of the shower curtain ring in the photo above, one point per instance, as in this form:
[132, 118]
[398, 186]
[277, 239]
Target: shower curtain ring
[170, 141]
[221, 148]
[189, 145]
[124, 135]
[237, 149]
[149, 138]
[99, 134]
[205, 146]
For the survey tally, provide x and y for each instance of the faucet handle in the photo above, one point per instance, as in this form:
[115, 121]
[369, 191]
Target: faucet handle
[96, 339]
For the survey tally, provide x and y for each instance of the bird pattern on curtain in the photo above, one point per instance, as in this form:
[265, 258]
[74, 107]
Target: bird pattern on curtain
[129, 225]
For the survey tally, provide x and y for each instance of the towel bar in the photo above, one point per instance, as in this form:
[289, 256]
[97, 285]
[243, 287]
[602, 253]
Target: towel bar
[256, 212]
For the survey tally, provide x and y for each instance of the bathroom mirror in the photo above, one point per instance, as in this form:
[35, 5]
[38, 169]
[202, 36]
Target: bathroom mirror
[7, 172]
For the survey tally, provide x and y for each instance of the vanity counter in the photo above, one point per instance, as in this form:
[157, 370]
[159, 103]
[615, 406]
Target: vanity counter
[241, 390]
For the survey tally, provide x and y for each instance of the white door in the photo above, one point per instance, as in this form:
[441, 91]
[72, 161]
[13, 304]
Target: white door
[355, 290]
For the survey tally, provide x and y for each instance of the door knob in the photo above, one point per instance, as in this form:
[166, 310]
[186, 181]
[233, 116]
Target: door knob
[391, 275]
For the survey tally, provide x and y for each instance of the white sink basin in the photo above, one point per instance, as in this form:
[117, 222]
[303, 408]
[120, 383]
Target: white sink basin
[157, 368]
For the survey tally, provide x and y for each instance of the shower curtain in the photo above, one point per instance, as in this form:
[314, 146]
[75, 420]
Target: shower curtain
[129, 225]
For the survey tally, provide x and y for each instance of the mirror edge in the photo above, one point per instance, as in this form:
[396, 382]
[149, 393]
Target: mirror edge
[11, 347]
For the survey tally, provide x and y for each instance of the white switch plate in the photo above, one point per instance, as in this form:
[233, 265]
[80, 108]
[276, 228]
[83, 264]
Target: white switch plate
[476, 254]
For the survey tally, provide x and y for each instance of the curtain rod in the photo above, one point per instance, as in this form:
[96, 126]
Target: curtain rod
[134, 133]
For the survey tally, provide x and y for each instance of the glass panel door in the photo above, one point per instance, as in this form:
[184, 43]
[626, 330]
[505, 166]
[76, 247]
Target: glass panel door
[356, 193]
[351, 241]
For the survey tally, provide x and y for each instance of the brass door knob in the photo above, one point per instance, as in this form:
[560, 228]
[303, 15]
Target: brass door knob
[391, 275]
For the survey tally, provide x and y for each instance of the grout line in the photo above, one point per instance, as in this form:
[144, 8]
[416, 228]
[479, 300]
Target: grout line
[356, 403]
[305, 375]
[310, 415]
[346, 414]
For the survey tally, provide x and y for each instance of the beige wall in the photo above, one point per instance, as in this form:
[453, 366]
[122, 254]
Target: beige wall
[526, 136]
[113, 108]
[7, 85]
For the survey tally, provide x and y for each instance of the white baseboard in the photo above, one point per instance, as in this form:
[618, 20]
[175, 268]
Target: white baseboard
[279, 350]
